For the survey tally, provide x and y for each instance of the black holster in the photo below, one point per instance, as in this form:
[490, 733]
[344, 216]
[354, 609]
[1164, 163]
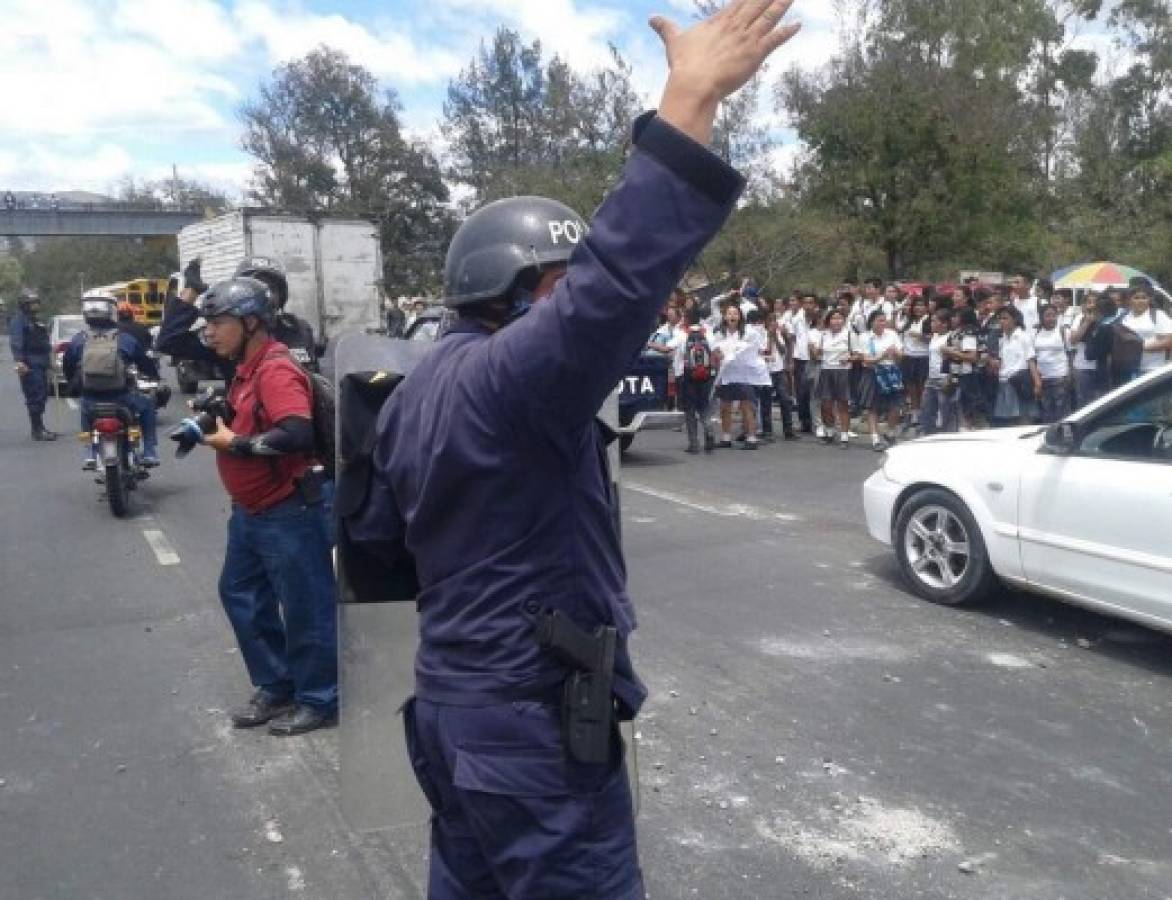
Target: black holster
[588, 715]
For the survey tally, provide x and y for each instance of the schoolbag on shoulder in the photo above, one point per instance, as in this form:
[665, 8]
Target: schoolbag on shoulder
[698, 358]
[323, 410]
[1127, 350]
[102, 367]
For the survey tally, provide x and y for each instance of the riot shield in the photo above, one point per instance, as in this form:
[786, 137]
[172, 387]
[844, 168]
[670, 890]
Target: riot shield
[378, 626]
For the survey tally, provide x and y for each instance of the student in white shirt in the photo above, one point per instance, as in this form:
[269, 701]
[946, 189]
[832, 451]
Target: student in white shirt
[916, 329]
[938, 412]
[1019, 383]
[835, 351]
[801, 318]
[1151, 324]
[881, 388]
[742, 369]
[1025, 302]
[779, 361]
[1052, 349]
[962, 352]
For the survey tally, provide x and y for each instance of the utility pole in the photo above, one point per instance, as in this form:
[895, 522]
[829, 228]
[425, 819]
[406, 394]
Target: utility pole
[175, 185]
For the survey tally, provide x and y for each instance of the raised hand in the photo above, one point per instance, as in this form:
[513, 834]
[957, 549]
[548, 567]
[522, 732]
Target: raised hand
[715, 58]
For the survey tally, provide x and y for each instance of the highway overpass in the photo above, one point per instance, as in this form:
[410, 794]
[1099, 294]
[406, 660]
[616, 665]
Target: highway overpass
[96, 220]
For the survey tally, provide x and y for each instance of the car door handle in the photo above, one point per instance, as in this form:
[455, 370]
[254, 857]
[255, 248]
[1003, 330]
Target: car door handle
[996, 486]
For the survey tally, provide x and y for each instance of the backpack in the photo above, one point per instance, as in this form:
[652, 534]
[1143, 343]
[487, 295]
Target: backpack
[103, 370]
[698, 364]
[324, 413]
[1127, 351]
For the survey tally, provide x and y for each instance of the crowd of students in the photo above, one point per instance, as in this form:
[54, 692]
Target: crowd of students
[909, 363]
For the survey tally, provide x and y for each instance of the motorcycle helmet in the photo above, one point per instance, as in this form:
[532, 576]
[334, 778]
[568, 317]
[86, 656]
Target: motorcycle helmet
[506, 243]
[99, 308]
[240, 297]
[28, 299]
[269, 272]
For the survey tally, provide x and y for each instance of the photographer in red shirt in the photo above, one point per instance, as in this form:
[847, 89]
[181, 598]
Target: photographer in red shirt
[277, 584]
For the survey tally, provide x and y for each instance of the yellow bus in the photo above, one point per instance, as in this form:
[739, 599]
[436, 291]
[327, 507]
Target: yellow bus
[145, 295]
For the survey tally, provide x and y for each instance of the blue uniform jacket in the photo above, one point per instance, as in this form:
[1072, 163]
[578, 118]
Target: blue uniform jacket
[132, 352]
[29, 341]
[490, 467]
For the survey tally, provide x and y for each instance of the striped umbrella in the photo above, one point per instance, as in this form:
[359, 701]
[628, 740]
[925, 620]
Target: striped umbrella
[1096, 275]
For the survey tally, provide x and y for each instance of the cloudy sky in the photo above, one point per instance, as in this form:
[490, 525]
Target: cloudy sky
[94, 90]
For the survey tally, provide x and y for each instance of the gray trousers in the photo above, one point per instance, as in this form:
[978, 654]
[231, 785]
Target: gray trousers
[696, 402]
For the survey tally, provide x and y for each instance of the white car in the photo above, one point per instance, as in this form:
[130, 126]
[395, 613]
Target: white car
[1081, 511]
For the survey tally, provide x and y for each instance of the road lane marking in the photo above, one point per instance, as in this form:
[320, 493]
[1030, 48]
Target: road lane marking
[71, 403]
[164, 552]
[726, 510]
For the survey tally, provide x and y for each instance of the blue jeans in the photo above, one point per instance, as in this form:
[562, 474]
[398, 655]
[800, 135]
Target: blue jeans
[513, 817]
[144, 408]
[938, 410]
[278, 591]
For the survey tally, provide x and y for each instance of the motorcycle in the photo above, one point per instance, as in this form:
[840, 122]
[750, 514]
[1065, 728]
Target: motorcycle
[116, 440]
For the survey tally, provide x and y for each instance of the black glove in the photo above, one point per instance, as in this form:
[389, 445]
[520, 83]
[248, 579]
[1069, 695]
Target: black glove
[192, 278]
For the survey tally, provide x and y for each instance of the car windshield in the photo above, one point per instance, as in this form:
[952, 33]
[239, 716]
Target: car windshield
[68, 326]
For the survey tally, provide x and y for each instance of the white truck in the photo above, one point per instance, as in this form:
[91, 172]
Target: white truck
[334, 266]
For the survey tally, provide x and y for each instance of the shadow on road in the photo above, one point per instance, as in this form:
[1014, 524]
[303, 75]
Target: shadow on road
[1115, 638]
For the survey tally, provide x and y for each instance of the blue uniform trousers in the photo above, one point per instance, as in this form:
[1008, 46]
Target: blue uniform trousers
[514, 817]
[277, 587]
[34, 384]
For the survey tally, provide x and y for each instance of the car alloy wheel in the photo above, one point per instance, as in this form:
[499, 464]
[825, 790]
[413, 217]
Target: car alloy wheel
[936, 543]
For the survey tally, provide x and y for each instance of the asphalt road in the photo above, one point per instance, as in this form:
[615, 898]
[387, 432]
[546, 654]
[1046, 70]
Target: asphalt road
[813, 730]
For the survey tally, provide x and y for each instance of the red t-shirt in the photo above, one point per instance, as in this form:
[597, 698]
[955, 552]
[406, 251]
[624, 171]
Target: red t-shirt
[268, 388]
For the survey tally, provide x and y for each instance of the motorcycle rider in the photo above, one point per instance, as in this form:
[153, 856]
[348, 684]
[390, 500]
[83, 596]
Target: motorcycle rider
[136, 330]
[28, 337]
[100, 313]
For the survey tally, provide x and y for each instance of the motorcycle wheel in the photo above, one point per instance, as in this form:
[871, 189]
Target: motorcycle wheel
[118, 490]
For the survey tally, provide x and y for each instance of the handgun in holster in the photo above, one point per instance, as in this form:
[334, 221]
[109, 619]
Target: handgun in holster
[587, 702]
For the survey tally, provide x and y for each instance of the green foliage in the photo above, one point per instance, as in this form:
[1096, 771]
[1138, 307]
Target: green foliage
[326, 138]
[518, 125]
[61, 268]
[11, 278]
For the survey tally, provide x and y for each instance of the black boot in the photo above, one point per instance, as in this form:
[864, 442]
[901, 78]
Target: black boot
[40, 432]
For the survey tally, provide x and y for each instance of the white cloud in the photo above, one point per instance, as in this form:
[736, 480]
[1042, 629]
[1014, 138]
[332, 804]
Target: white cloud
[579, 36]
[39, 167]
[288, 35]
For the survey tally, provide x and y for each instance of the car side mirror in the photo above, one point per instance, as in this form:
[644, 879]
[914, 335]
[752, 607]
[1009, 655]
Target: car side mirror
[1061, 439]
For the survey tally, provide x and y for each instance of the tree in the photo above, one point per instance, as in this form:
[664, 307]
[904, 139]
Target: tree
[518, 125]
[61, 268]
[920, 135]
[11, 278]
[181, 192]
[327, 139]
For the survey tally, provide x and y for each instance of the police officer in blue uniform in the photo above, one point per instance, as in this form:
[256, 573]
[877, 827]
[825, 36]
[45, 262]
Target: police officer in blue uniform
[490, 472]
[28, 337]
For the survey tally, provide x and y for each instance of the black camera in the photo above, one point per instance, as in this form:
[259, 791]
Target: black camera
[212, 404]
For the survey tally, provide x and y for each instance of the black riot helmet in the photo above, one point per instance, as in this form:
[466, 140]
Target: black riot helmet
[270, 272]
[240, 297]
[505, 240]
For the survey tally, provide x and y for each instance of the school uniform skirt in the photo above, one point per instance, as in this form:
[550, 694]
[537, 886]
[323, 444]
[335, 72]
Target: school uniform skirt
[834, 385]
